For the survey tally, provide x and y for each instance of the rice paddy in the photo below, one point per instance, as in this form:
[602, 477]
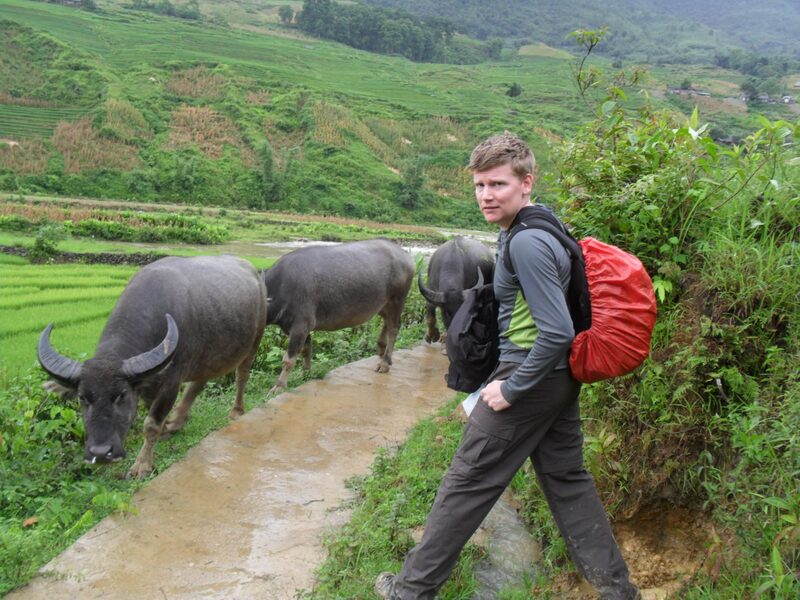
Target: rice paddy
[77, 298]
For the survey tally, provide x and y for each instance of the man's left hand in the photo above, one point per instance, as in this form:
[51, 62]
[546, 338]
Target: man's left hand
[493, 397]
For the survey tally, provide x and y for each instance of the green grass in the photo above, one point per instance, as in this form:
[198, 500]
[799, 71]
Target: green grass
[76, 298]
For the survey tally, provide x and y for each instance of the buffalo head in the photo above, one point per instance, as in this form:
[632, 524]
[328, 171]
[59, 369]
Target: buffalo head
[448, 300]
[106, 387]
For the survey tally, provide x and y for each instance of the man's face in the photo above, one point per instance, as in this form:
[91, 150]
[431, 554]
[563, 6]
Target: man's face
[501, 193]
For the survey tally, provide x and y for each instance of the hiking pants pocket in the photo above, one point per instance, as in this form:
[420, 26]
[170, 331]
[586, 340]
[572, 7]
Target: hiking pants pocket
[482, 447]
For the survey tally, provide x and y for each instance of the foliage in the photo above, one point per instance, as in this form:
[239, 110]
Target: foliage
[710, 415]
[375, 29]
[680, 31]
[514, 90]
[45, 244]
[410, 193]
[190, 10]
[286, 13]
[115, 225]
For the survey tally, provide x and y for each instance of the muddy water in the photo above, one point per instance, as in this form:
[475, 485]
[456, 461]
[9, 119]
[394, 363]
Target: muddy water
[241, 516]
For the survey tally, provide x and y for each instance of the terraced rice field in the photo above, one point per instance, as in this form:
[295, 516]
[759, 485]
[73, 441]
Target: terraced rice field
[77, 298]
[33, 121]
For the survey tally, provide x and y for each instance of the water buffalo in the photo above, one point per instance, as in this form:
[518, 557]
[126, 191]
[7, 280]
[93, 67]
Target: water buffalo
[457, 265]
[178, 320]
[325, 288]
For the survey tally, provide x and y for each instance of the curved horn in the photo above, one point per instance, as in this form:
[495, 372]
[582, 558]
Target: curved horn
[477, 286]
[480, 280]
[144, 363]
[57, 366]
[429, 295]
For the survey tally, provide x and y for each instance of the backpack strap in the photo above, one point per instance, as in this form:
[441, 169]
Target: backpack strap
[538, 217]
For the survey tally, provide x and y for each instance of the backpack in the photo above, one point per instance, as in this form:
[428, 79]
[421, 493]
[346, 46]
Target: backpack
[610, 298]
[472, 340]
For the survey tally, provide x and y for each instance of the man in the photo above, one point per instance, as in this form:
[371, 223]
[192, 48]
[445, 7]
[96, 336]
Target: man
[529, 408]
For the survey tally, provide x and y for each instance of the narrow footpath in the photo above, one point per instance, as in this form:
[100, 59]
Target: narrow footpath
[242, 515]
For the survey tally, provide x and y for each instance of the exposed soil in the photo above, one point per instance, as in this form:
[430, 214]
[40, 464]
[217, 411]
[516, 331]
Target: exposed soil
[665, 547]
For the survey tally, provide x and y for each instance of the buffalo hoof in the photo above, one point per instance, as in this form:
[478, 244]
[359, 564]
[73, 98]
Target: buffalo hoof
[171, 427]
[382, 367]
[138, 471]
[235, 413]
[276, 389]
[432, 336]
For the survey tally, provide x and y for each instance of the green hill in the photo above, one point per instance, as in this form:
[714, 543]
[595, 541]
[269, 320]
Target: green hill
[178, 111]
[246, 112]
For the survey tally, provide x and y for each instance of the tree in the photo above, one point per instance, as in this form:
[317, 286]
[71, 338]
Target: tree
[514, 90]
[494, 48]
[286, 14]
[749, 88]
[410, 194]
[270, 185]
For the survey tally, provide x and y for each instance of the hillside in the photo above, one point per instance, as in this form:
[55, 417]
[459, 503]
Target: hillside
[238, 110]
[643, 30]
[174, 111]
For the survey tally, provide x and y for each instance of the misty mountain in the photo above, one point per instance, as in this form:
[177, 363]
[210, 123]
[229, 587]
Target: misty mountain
[650, 30]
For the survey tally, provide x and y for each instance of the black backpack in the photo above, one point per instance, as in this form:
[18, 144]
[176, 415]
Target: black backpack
[472, 339]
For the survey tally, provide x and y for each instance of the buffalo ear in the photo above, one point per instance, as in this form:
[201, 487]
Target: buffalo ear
[67, 392]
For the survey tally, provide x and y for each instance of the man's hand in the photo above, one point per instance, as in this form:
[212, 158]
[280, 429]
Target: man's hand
[493, 397]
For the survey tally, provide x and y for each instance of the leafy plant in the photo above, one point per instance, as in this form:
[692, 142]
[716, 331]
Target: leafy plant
[45, 245]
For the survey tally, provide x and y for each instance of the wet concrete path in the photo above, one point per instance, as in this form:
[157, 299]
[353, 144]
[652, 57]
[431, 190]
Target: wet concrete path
[241, 516]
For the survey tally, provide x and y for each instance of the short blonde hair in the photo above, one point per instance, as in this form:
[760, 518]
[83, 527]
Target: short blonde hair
[501, 149]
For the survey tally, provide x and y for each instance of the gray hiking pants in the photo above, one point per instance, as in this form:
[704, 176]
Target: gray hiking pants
[546, 428]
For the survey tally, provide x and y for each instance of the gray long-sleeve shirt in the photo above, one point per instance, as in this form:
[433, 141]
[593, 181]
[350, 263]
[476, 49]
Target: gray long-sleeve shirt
[535, 328]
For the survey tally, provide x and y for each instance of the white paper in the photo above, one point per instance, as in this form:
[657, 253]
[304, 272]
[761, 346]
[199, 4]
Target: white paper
[470, 401]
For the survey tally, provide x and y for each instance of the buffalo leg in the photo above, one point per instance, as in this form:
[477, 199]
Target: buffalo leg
[297, 339]
[391, 325]
[242, 376]
[153, 425]
[307, 353]
[181, 412]
[430, 319]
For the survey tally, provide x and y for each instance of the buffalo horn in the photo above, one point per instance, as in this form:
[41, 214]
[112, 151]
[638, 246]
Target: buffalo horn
[58, 367]
[477, 286]
[142, 364]
[480, 280]
[429, 295]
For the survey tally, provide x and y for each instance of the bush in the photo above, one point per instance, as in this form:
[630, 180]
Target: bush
[45, 246]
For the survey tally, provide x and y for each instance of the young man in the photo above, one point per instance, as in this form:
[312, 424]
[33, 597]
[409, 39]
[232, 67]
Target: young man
[529, 408]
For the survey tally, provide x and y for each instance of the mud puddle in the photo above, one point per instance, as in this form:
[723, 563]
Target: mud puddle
[241, 516]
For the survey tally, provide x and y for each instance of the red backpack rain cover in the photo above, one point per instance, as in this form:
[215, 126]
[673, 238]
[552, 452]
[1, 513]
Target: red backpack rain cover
[623, 314]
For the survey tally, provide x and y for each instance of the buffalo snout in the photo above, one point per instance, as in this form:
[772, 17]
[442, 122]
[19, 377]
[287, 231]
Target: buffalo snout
[103, 453]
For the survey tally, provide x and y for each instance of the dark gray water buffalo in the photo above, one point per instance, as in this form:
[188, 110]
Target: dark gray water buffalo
[453, 268]
[324, 288]
[178, 320]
